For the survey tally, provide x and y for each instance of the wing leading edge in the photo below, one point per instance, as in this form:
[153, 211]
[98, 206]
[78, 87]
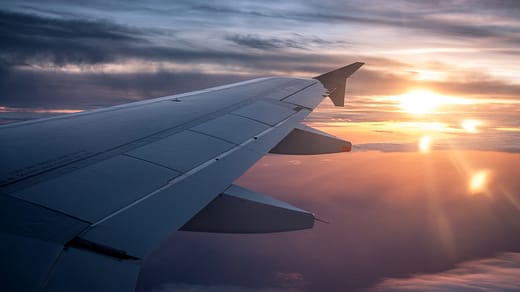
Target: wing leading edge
[103, 188]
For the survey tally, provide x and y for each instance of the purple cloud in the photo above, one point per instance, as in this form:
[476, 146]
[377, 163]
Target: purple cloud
[501, 273]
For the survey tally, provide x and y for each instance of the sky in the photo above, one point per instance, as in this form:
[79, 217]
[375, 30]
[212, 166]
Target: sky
[428, 199]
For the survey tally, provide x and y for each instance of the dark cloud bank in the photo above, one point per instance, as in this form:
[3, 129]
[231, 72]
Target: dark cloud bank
[36, 49]
[34, 42]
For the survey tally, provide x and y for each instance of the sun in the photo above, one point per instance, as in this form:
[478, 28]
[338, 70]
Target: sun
[422, 101]
[419, 101]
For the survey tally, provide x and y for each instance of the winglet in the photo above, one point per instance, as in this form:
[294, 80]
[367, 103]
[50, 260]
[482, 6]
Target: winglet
[335, 81]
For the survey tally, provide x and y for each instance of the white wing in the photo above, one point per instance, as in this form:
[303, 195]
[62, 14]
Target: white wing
[84, 197]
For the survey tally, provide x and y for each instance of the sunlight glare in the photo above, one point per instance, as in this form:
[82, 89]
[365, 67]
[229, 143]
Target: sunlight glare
[478, 181]
[425, 144]
[419, 102]
[470, 125]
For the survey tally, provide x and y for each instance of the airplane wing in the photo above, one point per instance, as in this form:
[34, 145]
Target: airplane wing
[85, 196]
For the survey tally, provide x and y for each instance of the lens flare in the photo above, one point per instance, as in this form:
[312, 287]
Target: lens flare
[471, 125]
[478, 181]
[425, 144]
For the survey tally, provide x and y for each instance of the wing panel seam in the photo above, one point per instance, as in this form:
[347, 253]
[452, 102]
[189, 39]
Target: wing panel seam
[298, 91]
[151, 162]
[212, 136]
[193, 171]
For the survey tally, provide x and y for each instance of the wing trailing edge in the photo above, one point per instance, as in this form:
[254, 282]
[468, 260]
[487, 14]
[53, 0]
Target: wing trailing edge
[335, 82]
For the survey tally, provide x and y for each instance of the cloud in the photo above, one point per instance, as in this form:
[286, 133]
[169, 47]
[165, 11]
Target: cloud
[92, 90]
[468, 19]
[183, 287]
[403, 14]
[386, 147]
[41, 50]
[35, 40]
[493, 274]
[291, 281]
[455, 20]
[296, 42]
[495, 141]
[32, 39]
[220, 9]
[383, 81]
[257, 42]
[38, 42]
[29, 38]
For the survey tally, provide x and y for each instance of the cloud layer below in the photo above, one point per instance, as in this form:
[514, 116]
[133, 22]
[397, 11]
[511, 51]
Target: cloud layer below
[493, 274]
[392, 215]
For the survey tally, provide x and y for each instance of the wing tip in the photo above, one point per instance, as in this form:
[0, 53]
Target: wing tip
[345, 71]
[335, 81]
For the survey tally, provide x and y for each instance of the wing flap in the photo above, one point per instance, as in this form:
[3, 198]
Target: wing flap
[240, 210]
[305, 140]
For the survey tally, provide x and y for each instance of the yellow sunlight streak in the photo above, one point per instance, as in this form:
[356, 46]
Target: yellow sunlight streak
[421, 101]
